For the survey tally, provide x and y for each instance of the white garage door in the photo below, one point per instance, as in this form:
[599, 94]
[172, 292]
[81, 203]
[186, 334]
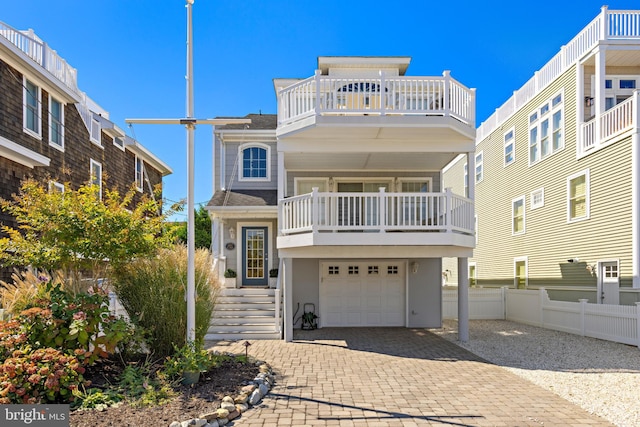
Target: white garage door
[362, 293]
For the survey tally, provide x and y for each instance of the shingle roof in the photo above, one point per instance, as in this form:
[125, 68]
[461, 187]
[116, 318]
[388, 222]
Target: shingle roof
[245, 198]
[258, 121]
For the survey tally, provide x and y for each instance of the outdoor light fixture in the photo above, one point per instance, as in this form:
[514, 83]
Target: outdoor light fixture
[572, 260]
[232, 232]
[414, 267]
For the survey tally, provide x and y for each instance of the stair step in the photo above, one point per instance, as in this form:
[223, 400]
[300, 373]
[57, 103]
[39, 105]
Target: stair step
[245, 335]
[242, 320]
[240, 327]
[242, 311]
[244, 306]
[246, 291]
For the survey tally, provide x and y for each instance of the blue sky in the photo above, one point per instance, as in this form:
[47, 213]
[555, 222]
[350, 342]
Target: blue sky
[130, 54]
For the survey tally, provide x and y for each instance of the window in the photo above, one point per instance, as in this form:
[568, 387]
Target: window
[466, 180]
[255, 164]
[373, 269]
[95, 132]
[32, 120]
[578, 196]
[537, 198]
[353, 270]
[56, 187]
[520, 280]
[119, 142]
[139, 173]
[617, 89]
[56, 123]
[417, 186]
[392, 270]
[509, 147]
[472, 275]
[479, 168]
[96, 176]
[306, 185]
[627, 84]
[546, 130]
[517, 216]
[334, 269]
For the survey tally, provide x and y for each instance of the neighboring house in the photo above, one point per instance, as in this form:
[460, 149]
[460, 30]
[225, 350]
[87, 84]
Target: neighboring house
[49, 129]
[342, 192]
[557, 173]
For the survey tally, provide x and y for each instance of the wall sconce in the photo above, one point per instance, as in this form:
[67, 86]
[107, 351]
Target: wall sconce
[232, 232]
[572, 260]
[414, 267]
[588, 101]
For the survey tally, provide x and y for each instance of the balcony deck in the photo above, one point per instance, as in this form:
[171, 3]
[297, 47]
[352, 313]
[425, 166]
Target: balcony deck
[378, 219]
[391, 101]
[609, 127]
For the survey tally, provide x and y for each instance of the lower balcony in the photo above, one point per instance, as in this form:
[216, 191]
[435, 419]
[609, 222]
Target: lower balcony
[610, 126]
[379, 219]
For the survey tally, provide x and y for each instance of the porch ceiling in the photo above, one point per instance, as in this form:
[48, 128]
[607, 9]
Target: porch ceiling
[367, 161]
[620, 55]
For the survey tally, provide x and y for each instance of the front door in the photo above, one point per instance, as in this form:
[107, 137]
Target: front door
[255, 250]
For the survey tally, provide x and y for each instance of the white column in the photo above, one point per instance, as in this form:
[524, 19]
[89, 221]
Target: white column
[282, 176]
[288, 298]
[471, 170]
[463, 299]
[599, 100]
[215, 238]
[635, 194]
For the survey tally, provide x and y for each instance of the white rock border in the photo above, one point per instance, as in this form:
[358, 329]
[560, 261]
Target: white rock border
[231, 408]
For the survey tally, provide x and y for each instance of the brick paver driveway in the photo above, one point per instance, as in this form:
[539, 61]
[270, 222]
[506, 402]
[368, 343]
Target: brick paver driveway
[395, 377]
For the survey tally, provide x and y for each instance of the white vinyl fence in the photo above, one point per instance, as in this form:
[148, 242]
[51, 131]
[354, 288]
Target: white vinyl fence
[618, 323]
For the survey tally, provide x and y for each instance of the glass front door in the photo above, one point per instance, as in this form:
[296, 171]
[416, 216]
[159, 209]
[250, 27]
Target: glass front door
[255, 249]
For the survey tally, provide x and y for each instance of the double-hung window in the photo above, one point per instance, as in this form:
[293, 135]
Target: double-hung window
[56, 123]
[509, 147]
[546, 129]
[139, 173]
[96, 132]
[96, 175]
[479, 166]
[254, 160]
[32, 120]
[578, 199]
[517, 216]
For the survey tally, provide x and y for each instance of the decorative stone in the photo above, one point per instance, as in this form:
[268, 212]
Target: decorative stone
[222, 413]
[209, 416]
[233, 415]
[264, 389]
[248, 388]
[255, 397]
[242, 407]
[213, 423]
[227, 399]
[242, 398]
[188, 423]
[199, 422]
[175, 424]
[222, 422]
[265, 368]
[229, 406]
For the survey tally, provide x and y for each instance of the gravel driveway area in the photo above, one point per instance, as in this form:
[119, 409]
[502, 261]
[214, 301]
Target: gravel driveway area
[600, 376]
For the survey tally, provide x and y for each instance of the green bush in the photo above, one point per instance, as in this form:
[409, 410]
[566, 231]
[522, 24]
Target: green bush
[153, 290]
[42, 375]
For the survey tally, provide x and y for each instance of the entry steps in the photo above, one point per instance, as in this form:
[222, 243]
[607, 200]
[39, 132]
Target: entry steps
[244, 313]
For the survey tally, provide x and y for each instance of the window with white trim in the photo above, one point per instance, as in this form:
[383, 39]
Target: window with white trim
[479, 166]
[119, 142]
[96, 175]
[56, 187]
[537, 198]
[96, 132]
[617, 89]
[578, 202]
[517, 216]
[255, 162]
[509, 147]
[473, 281]
[520, 274]
[139, 173]
[466, 180]
[56, 123]
[546, 129]
[32, 107]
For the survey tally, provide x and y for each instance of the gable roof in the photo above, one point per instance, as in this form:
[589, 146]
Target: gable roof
[258, 122]
[239, 198]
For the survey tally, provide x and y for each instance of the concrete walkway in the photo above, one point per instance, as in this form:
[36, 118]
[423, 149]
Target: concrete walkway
[395, 377]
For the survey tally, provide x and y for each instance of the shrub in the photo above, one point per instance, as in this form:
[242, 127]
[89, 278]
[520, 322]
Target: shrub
[43, 375]
[152, 291]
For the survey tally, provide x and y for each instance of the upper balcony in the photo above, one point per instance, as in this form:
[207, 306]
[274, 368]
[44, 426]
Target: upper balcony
[26, 44]
[386, 106]
[376, 219]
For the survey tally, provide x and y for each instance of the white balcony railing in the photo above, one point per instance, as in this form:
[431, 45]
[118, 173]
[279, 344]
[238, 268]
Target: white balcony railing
[382, 211]
[608, 25]
[399, 95]
[614, 122]
[42, 54]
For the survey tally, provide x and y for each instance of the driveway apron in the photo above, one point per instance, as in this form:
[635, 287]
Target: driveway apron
[394, 377]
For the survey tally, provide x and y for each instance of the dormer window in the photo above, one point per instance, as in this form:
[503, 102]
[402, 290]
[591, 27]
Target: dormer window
[254, 159]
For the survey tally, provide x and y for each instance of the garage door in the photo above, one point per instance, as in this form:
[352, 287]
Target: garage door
[362, 293]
